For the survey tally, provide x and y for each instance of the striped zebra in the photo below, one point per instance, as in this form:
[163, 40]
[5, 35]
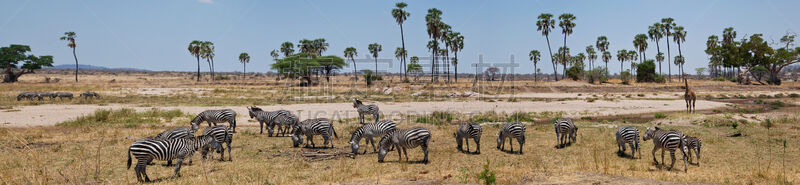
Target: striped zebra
[271, 119]
[90, 94]
[465, 132]
[145, 150]
[368, 131]
[628, 135]
[49, 95]
[215, 116]
[693, 143]
[404, 139]
[666, 140]
[176, 133]
[222, 135]
[62, 95]
[365, 110]
[565, 127]
[25, 95]
[508, 131]
[311, 127]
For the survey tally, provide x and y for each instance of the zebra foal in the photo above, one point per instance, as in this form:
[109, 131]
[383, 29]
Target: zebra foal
[365, 110]
[628, 135]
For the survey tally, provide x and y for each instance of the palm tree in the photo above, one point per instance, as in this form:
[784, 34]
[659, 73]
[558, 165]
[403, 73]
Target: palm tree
[640, 43]
[432, 45]
[660, 58]
[306, 46]
[607, 57]
[655, 33]
[244, 58]
[414, 67]
[622, 55]
[319, 46]
[456, 45]
[287, 48]
[207, 52]
[70, 38]
[564, 51]
[632, 56]
[566, 23]
[374, 48]
[680, 36]
[350, 53]
[400, 17]
[592, 54]
[400, 54]
[195, 48]
[274, 54]
[534, 56]
[434, 26]
[545, 24]
[667, 24]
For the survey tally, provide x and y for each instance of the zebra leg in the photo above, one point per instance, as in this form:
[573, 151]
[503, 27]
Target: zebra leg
[372, 142]
[633, 151]
[654, 155]
[228, 142]
[399, 154]
[672, 154]
[477, 142]
[178, 168]
[405, 152]
[663, 162]
[169, 162]
[698, 155]
[521, 143]
[360, 118]
[376, 116]
[261, 124]
[424, 147]
[144, 170]
[511, 144]
[325, 139]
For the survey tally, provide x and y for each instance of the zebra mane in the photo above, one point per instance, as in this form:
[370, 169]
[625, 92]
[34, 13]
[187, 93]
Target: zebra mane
[255, 109]
[357, 102]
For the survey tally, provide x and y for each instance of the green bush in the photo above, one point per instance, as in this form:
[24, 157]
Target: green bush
[646, 71]
[599, 75]
[436, 118]
[370, 77]
[794, 95]
[625, 76]
[659, 115]
[575, 72]
[718, 79]
[487, 175]
[776, 105]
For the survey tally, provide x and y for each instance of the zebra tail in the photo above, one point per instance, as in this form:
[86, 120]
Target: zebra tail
[129, 158]
[334, 132]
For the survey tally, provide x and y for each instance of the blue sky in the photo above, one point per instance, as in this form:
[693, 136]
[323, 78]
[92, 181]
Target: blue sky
[153, 34]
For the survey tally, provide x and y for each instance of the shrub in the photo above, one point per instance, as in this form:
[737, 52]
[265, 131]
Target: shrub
[487, 175]
[370, 77]
[520, 116]
[599, 75]
[659, 115]
[575, 72]
[718, 79]
[646, 71]
[794, 95]
[222, 77]
[625, 77]
[126, 117]
[776, 104]
[436, 118]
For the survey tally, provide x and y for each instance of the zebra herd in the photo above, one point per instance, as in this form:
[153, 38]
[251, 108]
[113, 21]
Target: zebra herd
[181, 143]
[53, 95]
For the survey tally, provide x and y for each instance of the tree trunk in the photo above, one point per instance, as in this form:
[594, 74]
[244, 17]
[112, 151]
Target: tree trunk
[684, 60]
[658, 50]
[376, 65]
[669, 58]
[76, 63]
[403, 42]
[198, 68]
[244, 71]
[564, 58]
[456, 67]
[534, 72]
[212, 68]
[209, 69]
[355, 71]
[555, 71]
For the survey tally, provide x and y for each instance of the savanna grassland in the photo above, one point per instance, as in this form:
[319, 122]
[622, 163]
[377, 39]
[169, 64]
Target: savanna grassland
[753, 139]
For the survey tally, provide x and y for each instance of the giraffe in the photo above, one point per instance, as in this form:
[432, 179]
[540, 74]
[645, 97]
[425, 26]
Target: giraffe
[689, 96]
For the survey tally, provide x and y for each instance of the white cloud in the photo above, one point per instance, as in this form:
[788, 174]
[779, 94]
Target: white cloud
[206, 1]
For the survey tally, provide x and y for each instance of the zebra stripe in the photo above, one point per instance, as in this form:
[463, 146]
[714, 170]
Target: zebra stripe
[667, 140]
[465, 132]
[628, 135]
[90, 95]
[175, 133]
[565, 127]
[693, 144]
[404, 139]
[508, 131]
[311, 127]
[145, 150]
[282, 118]
[222, 134]
[369, 131]
[215, 116]
[366, 110]
[62, 95]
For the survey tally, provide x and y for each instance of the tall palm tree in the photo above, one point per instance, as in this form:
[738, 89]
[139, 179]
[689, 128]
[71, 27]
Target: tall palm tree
[374, 48]
[244, 58]
[400, 54]
[592, 55]
[640, 43]
[607, 57]
[434, 24]
[432, 45]
[414, 67]
[566, 22]
[400, 17]
[287, 48]
[306, 46]
[70, 38]
[655, 33]
[545, 24]
[728, 35]
[632, 56]
[534, 56]
[319, 45]
[351, 53]
[207, 52]
[564, 51]
[679, 36]
[195, 48]
[444, 52]
[456, 45]
[667, 24]
[274, 54]
[659, 59]
[622, 55]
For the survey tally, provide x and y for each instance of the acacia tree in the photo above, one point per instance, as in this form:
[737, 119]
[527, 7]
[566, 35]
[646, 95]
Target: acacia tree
[244, 58]
[400, 17]
[351, 53]
[295, 66]
[70, 38]
[12, 56]
[195, 48]
[534, 56]
[330, 64]
[545, 24]
[566, 22]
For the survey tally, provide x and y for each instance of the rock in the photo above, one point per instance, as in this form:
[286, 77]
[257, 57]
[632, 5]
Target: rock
[418, 93]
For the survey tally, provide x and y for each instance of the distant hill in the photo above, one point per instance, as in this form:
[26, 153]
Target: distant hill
[91, 67]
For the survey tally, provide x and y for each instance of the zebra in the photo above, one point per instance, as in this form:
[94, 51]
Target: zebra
[693, 143]
[176, 133]
[38, 95]
[365, 109]
[511, 130]
[628, 135]
[565, 127]
[62, 95]
[222, 134]
[311, 127]
[666, 140]
[90, 94]
[25, 95]
[49, 95]
[404, 139]
[145, 150]
[215, 116]
[465, 132]
[270, 118]
[369, 131]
